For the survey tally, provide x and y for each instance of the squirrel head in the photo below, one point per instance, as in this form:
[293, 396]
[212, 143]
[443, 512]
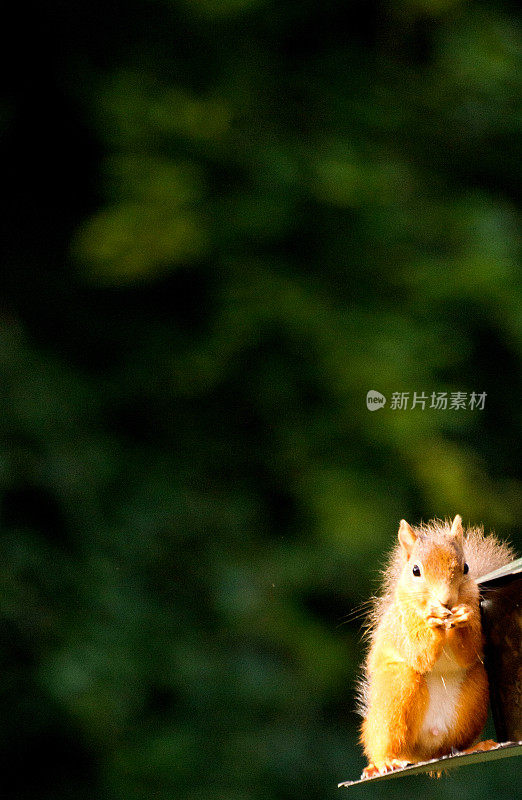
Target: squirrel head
[435, 571]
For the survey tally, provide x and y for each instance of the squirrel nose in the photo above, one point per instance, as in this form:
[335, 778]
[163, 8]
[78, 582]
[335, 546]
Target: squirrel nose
[446, 598]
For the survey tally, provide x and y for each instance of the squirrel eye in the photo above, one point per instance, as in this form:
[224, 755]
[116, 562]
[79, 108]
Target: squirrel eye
[466, 569]
[416, 570]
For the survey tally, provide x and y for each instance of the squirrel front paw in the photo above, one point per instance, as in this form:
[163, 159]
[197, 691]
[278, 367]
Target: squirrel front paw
[460, 615]
[438, 616]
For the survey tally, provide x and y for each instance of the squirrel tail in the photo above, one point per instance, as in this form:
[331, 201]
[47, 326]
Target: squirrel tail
[484, 552]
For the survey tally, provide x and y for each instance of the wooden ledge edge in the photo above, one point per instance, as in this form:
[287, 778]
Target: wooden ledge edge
[452, 761]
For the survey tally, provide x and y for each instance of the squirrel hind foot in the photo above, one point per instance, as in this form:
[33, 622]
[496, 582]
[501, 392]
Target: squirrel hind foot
[382, 767]
[481, 747]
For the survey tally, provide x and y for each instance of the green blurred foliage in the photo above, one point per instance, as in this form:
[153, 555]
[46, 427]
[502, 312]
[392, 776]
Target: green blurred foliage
[224, 223]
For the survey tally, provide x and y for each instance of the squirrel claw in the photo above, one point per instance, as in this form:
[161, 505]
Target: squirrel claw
[382, 767]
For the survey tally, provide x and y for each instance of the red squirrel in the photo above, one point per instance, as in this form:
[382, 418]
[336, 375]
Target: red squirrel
[424, 692]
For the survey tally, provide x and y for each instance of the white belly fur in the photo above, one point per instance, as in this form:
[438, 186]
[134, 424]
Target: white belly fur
[444, 682]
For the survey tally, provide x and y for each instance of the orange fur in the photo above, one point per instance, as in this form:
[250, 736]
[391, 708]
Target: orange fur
[465, 643]
[398, 699]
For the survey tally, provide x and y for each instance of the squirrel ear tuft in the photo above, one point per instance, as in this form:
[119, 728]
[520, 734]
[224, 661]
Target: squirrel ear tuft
[456, 529]
[407, 537]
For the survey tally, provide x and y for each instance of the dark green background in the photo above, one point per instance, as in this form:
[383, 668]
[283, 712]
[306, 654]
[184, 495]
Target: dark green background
[223, 222]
